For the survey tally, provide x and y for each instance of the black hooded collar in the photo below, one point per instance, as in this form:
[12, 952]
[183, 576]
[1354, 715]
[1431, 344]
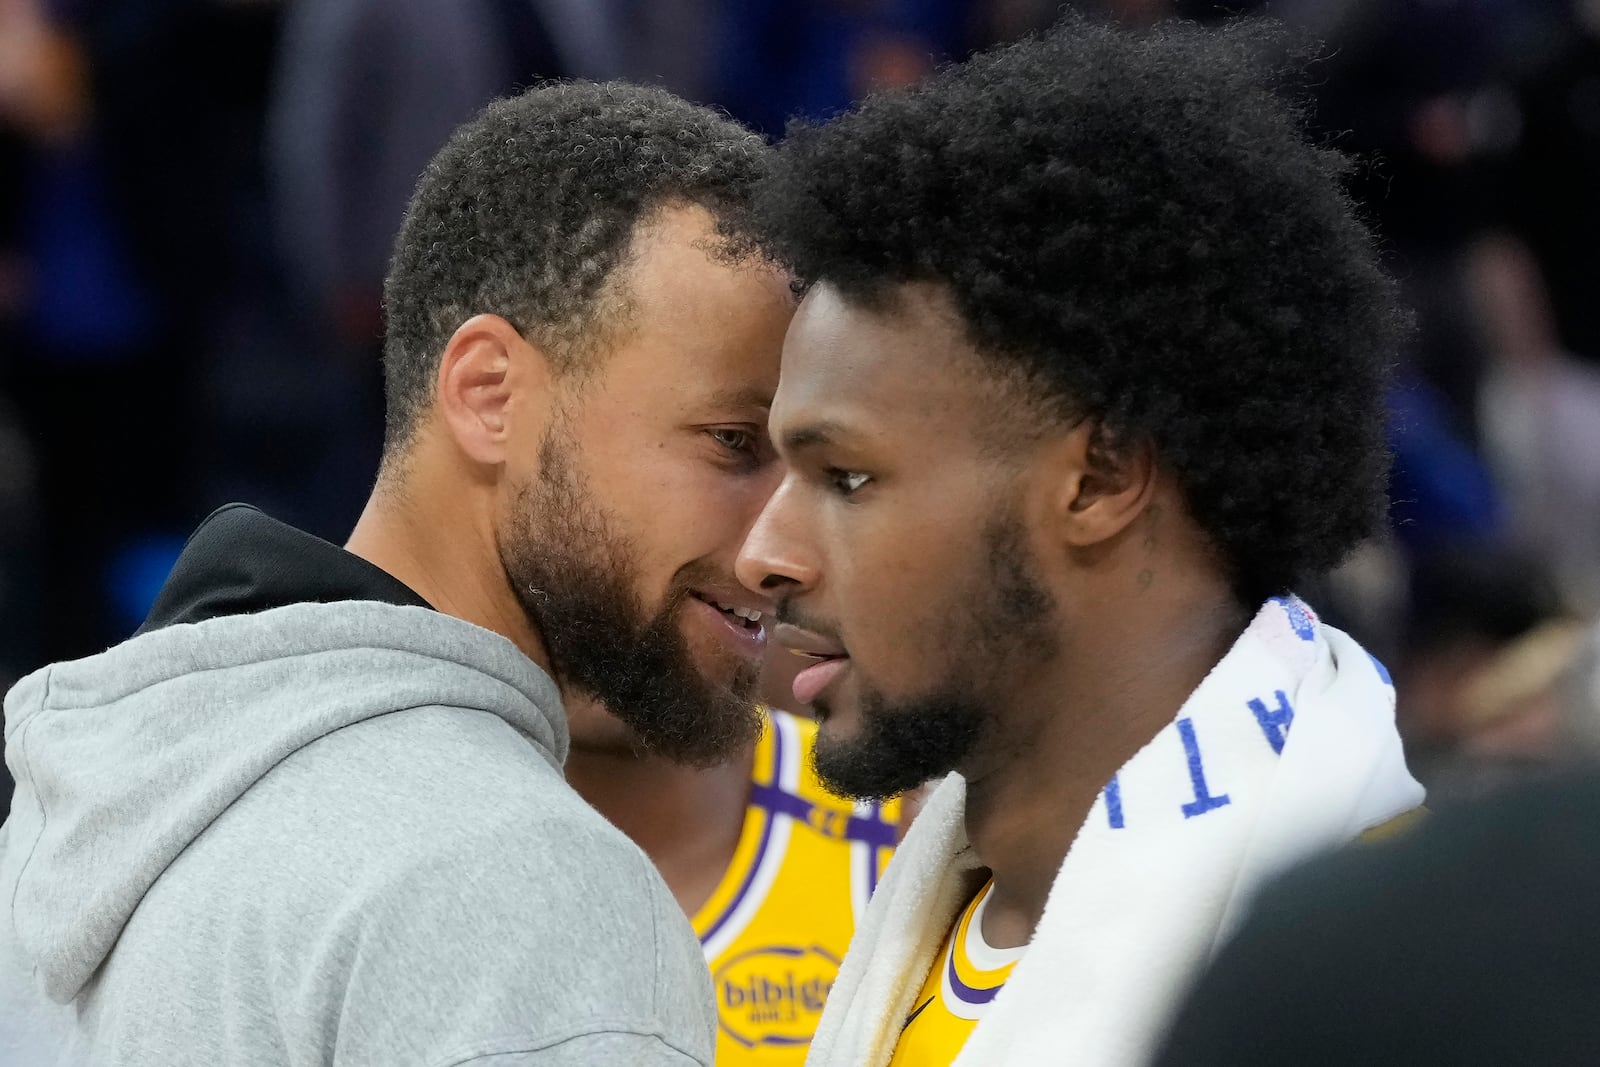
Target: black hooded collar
[240, 561]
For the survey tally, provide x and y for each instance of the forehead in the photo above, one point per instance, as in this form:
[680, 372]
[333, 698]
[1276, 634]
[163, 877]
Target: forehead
[902, 369]
[699, 324]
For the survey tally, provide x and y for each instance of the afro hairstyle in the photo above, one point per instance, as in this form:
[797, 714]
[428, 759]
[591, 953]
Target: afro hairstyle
[1138, 227]
[530, 209]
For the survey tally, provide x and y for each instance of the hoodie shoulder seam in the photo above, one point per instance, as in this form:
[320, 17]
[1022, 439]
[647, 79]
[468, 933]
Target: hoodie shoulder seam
[27, 764]
[483, 1052]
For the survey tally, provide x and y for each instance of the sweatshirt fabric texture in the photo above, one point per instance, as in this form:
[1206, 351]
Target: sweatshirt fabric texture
[321, 833]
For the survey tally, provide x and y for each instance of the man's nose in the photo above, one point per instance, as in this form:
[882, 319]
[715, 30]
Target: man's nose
[777, 559]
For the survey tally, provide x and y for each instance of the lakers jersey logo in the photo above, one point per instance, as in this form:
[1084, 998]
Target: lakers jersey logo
[774, 995]
[776, 927]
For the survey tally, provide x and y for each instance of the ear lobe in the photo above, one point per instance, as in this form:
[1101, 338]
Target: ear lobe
[1107, 485]
[490, 379]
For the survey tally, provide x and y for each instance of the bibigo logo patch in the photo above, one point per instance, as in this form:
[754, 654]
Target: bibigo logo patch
[774, 995]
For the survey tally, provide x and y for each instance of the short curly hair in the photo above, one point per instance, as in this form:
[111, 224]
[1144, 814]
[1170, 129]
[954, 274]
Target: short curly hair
[1136, 225]
[531, 208]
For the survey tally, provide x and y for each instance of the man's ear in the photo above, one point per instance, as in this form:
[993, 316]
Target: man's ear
[1102, 484]
[492, 382]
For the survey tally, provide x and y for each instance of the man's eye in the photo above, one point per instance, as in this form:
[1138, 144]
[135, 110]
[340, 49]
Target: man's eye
[846, 482]
[734, 440]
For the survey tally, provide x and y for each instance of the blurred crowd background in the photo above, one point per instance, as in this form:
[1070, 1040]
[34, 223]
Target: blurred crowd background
[197, 199]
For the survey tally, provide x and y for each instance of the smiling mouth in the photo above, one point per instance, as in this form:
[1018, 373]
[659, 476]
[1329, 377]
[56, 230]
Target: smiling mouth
[749, 618]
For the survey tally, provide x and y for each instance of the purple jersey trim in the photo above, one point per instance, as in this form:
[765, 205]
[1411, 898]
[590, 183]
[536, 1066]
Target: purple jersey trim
[965, 993]
[761, 849]
[871, 829]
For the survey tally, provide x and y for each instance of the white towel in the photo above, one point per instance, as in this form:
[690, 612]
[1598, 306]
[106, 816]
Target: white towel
[1288, 746]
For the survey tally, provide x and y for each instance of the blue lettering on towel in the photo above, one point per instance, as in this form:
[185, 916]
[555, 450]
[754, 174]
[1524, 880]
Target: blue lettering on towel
[1113, 794]
[1203, 800]
[1275, 723]
[1299, 619]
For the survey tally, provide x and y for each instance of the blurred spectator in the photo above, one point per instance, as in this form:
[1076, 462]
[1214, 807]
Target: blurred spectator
[96, 393]
[1006, 20]
[1366, 596]
[1413, 87]
[1414, 90]
[19, 539]
[671, 43]
[1440, 491]
[1539, 409]
[1487, 638]
[31, 103]
[367, 91]
[364, 93]
[1552, 198]
[777, 60]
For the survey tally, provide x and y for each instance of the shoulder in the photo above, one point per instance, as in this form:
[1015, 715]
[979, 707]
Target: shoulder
[535, 923]
[499, 827]
[453, 819]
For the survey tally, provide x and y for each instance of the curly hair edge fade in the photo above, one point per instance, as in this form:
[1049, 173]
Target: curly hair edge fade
[531, 211]
[1140, 222]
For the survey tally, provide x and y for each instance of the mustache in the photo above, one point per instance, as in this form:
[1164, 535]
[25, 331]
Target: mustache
[786, 612]
[696, 574]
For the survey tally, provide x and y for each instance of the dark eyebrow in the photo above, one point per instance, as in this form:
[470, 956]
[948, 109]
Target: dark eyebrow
[811, 436]
[742, 398]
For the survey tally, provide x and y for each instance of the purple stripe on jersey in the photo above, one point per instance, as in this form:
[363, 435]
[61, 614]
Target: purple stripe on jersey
[871, 829]
[761, 848]
[965, 993]
[872, 860]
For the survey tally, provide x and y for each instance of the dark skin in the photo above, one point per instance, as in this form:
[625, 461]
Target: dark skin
[887, 417]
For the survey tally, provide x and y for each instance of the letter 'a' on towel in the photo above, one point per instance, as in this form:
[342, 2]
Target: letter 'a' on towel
[1287, 747]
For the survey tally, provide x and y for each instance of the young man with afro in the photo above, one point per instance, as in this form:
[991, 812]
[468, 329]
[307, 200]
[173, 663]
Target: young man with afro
[1087, 376]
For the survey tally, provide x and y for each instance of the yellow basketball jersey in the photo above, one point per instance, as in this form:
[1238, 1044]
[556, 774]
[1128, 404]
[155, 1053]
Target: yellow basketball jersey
[964, 979]
[777, 925]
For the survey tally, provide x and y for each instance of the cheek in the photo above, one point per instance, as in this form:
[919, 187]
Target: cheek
[899, 651]
[898, 601]
[883, 598]
[677, 513]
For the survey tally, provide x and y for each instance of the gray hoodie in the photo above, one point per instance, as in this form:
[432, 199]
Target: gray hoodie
[324, 834]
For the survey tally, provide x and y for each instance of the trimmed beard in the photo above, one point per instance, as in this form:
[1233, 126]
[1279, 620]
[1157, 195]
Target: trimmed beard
[576, 578]
[1005, 619]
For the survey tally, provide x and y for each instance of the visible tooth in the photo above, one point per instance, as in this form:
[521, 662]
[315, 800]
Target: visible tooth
[750, 614]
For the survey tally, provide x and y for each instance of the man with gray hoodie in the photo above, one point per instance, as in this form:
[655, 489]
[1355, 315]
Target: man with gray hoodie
[313, 812]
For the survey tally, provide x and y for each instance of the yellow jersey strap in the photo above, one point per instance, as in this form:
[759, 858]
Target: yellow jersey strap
[1398, 826]
[825, 818]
